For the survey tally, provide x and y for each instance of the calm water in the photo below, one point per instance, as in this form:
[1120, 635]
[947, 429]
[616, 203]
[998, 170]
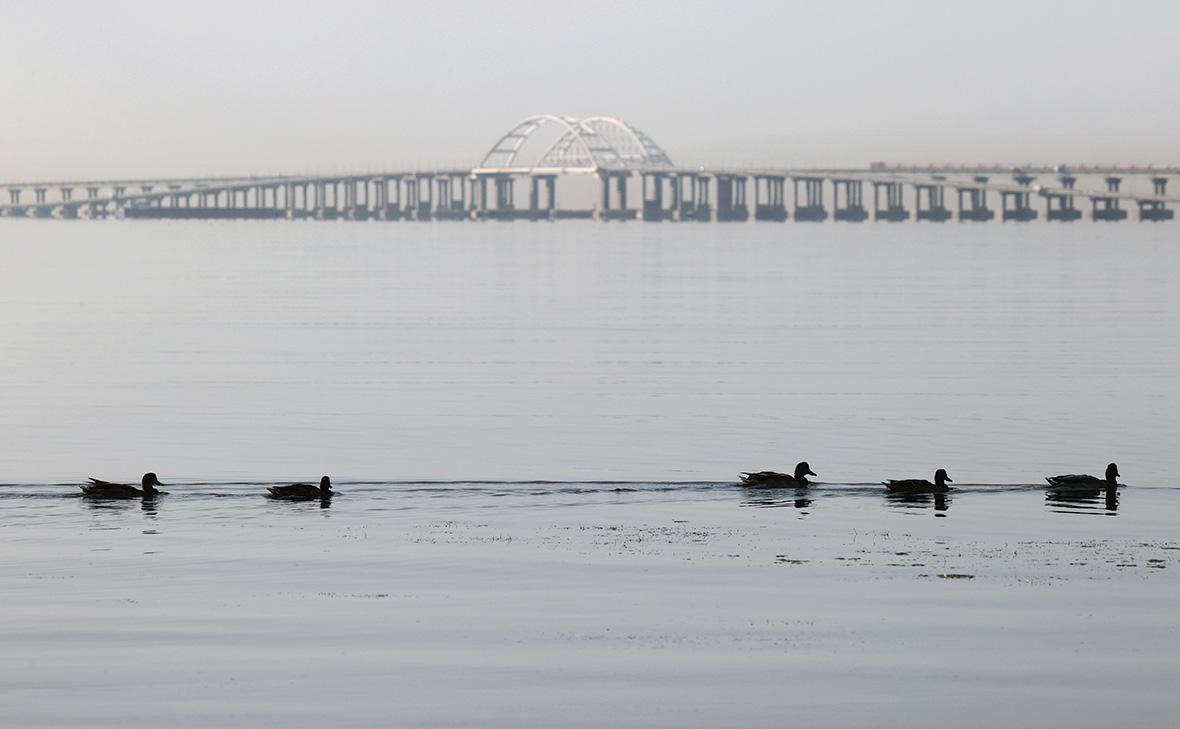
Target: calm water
[534, 430]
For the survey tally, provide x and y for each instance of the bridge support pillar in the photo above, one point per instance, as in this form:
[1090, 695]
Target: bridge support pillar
[444, 200]
[1060, 206]
[934, 207]
[654, 210]
[853, 210]
[411, 187]
[504, 197]
[1015, 206]
[1155, 210]
[684, 196]
[894, 211]
[537, 211]
[14, 195]
[1108, 208]
[424, 194]
[731, 198]
[703, 211]
[973, 203]
[812, 210]
[769, 203]
[459, 200]
[605, 210]
[319, 205]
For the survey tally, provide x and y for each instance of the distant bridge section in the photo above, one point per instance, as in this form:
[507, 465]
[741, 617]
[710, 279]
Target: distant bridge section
[540, 150]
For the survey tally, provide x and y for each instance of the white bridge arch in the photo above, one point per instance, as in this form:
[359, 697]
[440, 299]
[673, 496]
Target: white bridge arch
[590, 145]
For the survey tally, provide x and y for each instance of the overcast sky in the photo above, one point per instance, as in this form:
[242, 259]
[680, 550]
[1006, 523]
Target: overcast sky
[121, 88]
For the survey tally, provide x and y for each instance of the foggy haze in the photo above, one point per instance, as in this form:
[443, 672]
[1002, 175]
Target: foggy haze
[138, 89]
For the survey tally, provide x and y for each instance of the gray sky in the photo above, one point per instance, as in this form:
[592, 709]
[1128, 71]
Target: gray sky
[121, 88]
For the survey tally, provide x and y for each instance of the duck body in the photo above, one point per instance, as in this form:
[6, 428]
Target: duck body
[99, 489]
[774, 479]
[920, 485]
[302, 491]
[1086, 481]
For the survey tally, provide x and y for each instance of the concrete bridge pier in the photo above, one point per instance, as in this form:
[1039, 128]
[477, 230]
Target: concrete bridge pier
[894, 211]
[684, 201]
[319, 207]
[853, 210]
[368, 205]
[1155, 210]
[42, 210]
[1108, 208]
[769, 198]
[424, 196]
[447, 191]
[731, 198]
[703, 210]
[442, 196]
[934, 209]
[1015, 206]
[479, 197]
[812, 210]
[537, 211]
[1060, 206]
[653, 197]
[605, 210]
[393, 198]
[501, 204]
[288, 201]
[408, 195]
[457, 195]
[505, 186]
[976, 208]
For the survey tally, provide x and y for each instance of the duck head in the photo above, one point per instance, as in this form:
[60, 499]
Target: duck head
[149, 483]
[326, 486]
[940, 477]
[802, 470]
[1112, 473]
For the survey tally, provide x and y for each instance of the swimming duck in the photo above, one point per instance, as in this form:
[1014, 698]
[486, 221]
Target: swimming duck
[774, 479]
[302, 491]
[921, 485]
[99, 489]
[1076, 480]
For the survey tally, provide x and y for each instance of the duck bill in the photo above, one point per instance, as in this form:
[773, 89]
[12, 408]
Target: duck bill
[812, 473]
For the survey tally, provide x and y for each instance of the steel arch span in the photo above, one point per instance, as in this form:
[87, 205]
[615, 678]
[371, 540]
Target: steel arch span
[590, 145]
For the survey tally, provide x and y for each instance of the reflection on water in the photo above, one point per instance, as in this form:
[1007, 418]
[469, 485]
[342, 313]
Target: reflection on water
[776, 498]
[1103, 502]
[940, 502]
[148, 505]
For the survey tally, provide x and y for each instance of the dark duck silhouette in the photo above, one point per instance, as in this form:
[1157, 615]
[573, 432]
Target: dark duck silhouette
[99, 489]
[302, 491]
[1085, 481]
[921, 485]
[774, 479]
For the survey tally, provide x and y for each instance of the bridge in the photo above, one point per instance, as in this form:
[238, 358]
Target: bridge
[543, 150]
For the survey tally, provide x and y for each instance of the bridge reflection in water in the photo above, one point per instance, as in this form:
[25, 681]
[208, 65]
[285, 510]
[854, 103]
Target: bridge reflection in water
[537, 153]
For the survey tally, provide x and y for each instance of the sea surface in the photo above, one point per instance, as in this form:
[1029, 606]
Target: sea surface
[535, 432]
